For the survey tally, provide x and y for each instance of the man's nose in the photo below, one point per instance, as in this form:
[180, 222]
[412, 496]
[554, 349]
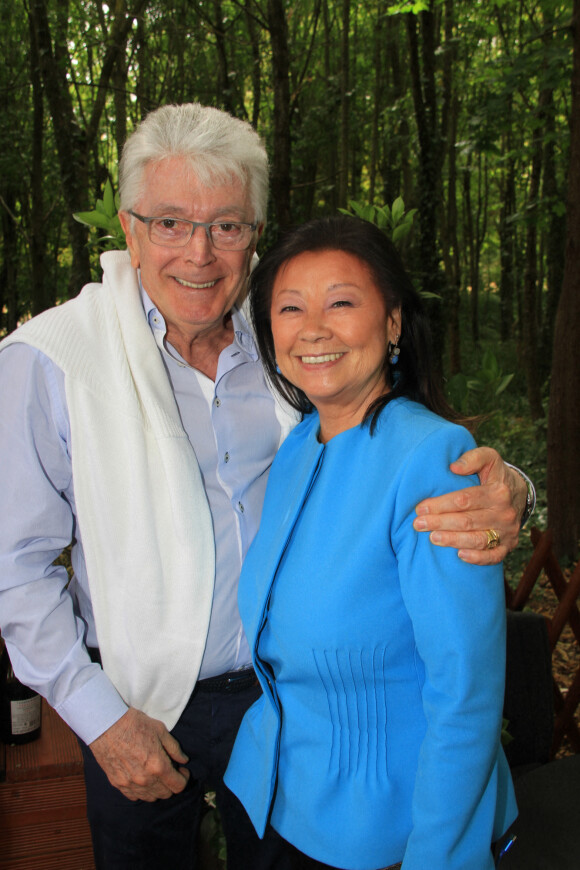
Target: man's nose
[199, 248]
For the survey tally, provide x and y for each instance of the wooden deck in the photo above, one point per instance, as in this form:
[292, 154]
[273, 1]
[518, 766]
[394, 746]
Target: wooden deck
[42, 802]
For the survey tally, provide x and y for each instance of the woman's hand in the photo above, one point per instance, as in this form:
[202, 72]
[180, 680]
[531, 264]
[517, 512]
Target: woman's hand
[462, 519]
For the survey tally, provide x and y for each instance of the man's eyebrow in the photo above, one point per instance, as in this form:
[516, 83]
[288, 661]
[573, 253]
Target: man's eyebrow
[164, 208]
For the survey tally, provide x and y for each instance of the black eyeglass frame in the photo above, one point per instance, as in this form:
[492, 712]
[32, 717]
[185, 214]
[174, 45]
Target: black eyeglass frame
[194, 225]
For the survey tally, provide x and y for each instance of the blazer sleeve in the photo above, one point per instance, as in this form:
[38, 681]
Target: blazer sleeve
[458, 616]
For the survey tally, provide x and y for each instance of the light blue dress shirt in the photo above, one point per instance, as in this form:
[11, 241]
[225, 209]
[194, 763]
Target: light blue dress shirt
[46, 619]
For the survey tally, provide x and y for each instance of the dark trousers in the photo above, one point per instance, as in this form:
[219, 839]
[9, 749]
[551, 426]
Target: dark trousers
[300, 861]
[162, 835]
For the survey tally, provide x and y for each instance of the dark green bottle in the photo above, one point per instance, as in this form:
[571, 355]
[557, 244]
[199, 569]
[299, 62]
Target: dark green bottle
[20, 707]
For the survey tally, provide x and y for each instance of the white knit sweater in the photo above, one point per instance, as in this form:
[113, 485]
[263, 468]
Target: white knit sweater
[141, 506]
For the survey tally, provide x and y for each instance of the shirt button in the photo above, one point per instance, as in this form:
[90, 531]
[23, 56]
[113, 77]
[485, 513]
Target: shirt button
[240, 507]
[227, 457]
[217, 402]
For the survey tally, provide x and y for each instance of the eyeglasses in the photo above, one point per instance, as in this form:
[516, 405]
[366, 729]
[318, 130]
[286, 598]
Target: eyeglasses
[176, 232]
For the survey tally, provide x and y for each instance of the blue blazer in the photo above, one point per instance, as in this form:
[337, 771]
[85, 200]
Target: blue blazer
[381, 658]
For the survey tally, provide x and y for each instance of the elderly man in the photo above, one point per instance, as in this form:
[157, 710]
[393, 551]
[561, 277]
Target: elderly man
[136, 422]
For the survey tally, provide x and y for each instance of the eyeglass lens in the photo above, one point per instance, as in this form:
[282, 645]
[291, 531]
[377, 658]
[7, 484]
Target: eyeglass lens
[174, 232]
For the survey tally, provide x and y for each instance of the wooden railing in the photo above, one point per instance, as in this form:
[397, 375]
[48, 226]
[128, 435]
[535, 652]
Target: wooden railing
[565, 613]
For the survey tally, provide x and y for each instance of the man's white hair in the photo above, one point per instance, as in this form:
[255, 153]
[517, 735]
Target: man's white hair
[218, 148]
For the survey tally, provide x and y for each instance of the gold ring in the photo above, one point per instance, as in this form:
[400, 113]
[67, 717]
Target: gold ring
[493, 540]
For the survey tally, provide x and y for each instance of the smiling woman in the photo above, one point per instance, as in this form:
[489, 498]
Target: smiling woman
[331, 330]
[361, 275]
[381, 657]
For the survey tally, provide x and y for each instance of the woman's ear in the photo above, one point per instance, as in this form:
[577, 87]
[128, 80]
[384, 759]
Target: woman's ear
[394, 325]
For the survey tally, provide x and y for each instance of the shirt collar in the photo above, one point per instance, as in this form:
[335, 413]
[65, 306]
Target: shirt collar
[243, 333]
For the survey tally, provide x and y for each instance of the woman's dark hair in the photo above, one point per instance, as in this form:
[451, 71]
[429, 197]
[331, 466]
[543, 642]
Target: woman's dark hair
[414, 376]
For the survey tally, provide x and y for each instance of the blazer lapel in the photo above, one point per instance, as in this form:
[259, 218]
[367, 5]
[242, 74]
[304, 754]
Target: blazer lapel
[292, 475]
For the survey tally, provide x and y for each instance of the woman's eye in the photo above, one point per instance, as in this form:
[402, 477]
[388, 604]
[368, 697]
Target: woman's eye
[289, 308]
[342, 303]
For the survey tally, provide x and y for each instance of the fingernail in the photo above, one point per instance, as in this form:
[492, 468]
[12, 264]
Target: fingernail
[435, 537]
[420, 525]
[421, 510]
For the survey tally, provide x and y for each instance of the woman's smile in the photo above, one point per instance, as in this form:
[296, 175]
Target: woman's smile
[324, 358]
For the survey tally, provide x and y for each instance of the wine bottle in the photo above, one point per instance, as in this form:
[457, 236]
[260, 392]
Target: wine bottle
[20, 707]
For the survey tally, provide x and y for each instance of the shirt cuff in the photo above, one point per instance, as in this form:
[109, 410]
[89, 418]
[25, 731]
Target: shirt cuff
[93, 709]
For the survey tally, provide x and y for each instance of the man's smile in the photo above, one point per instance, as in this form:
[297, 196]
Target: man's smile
[203, 286]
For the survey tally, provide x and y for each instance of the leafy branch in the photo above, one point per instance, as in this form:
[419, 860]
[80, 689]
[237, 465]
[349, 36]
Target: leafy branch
[105, 217]
[394, 220]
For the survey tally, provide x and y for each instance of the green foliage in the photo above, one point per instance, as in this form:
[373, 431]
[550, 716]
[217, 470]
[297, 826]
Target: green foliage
[105, 217]
[413, 6]
[497, 59]
[395, 221]
[506, 737]
[479, 394]
[506, 426]
[211, 828]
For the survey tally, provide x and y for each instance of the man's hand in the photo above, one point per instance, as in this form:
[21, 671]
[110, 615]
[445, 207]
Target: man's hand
[138, 753]
[461, 519]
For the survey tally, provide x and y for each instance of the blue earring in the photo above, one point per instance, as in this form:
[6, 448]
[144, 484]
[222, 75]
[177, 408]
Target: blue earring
[393, 351]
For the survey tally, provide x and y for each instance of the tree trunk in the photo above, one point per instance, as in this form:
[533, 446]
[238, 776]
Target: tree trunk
[119, 79]
[471, 246]
[256, 65]
[224, 88]
[449, 240]
[530, 322]
[450, 245]
[425, 102]
[281, 179]
[344, 106]
[377, 103]
[555, 243]
[507, 247]
[563, 479]
[8, 268]
[74, 143]
[40, 298]
[332, 158]
[144, 88]
[394, 163]
[70, 143]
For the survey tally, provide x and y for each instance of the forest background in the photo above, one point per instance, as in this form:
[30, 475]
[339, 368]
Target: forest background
[465, 111]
